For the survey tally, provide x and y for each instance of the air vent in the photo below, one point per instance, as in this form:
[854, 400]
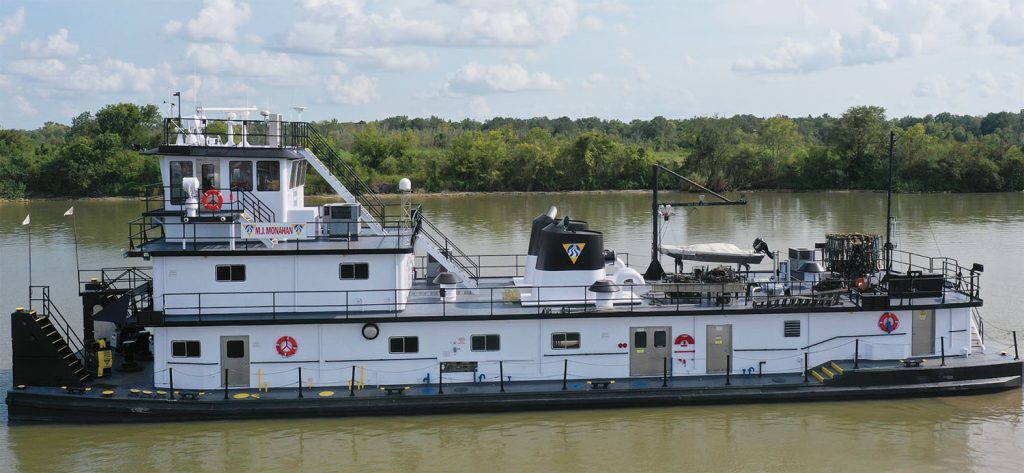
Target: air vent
[791, 328]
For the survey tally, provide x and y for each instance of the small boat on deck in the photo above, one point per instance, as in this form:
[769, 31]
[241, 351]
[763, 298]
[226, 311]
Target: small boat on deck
[249, 303]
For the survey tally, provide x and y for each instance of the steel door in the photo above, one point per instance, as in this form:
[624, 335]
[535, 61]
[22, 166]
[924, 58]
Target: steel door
[651, 346]
[234, 361]
[922, 340]
[719, 346]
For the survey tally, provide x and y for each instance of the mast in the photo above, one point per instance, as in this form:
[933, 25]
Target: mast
[888, 209]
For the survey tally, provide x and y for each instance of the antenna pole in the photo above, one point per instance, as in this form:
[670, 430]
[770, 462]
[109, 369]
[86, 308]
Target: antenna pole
[888, 210]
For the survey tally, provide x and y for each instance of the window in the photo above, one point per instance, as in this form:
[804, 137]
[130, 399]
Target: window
[208, 176]
[791, 328]
[179, 171]
[298, 177]
[354, 271]
[235, 349]
[660, 339]
[485, 343]
[640, 339]
[268, 175]
[565, 340]
[404, 344]
[231, 272]
[185, 348]
[241, 175]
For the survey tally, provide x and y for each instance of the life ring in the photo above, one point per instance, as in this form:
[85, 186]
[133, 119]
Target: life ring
[213, 200]
[287, 346]
[888, 322]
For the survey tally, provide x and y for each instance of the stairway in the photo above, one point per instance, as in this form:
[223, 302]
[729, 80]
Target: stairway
[977, 331]
[827, 372]
[46, 351]
[246, 219]
[319, 154]
[64, 351]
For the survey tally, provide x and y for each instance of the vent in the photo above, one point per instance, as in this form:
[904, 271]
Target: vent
[791, 328]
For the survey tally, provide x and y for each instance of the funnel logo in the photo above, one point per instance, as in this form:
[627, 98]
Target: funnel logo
[574, 250]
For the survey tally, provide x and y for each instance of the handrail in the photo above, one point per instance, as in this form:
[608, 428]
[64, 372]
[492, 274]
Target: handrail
[310, 138]
[455, 254]
[49, 310]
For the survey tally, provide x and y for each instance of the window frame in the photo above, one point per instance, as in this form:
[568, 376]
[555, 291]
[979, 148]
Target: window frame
[357, 268]
[234, 343]
[565, 337]
[487, 339]
[405, 344]
[275, 176]
[178, 196]
[186, 345]
[242, 184]
[232, 272]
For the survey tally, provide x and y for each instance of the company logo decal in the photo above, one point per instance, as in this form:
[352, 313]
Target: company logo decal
[574, 250]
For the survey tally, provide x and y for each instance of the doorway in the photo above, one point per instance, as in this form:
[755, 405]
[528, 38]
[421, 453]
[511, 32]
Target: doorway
[922, 341]
[234, 361]
[719, 347]
[650, 350]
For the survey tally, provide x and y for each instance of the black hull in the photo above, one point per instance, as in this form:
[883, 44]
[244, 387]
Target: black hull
[59, 406]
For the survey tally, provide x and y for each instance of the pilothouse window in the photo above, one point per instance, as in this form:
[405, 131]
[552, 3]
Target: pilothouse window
[241, 175]
[179, 170]
[298, 177]
[268, 175]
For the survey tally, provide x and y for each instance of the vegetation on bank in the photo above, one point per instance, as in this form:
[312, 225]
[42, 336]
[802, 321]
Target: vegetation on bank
[97, 155]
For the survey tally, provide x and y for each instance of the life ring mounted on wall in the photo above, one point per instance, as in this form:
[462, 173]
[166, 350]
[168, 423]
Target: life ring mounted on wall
[888, 322]
[287, 346]
[213, 200]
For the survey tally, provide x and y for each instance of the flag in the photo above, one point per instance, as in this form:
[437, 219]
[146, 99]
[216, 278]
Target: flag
[70, 211]
[28, 219]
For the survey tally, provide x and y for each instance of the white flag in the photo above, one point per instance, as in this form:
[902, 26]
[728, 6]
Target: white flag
[28, 219]
[70, 211]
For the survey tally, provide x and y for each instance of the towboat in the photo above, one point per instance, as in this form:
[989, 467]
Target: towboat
[249, 303]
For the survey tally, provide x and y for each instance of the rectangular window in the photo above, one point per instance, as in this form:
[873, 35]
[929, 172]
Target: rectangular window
[208, 176]
[791, 328]
[640, 339]
[231, 272]
[268, 175]
[660, 339]
[565, 340]
[179, 171]
[485, 343]
[236, 349]
[185, 348]
[241, 175]
[404, 344]
[354, 271]
[298, 177]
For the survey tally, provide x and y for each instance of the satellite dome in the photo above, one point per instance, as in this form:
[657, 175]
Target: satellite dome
[404, 185]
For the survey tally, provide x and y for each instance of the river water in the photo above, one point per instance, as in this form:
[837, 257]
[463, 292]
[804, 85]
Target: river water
[976, 433]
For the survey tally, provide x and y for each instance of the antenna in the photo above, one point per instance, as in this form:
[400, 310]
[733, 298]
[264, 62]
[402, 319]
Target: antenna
[299, 109]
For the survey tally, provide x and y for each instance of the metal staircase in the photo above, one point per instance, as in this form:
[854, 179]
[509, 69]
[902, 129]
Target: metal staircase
[59, 339]
[352, 189]
[827, 372]
[977, 331]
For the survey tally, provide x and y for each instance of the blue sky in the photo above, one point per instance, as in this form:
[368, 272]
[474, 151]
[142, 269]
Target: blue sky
[356, 60]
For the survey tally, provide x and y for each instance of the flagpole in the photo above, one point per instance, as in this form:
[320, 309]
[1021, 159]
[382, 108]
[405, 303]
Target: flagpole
[74, 225]
[30, 263]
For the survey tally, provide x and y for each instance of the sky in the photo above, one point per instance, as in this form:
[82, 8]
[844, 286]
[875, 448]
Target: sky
[363, 60]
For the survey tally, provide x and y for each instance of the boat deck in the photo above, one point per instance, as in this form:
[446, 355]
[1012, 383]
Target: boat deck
[131, 396]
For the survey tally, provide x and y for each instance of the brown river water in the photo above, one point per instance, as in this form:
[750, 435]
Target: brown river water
[975, 433]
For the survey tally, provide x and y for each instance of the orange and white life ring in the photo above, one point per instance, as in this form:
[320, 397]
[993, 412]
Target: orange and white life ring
[213, 200]
[888, 322]
[287, 346]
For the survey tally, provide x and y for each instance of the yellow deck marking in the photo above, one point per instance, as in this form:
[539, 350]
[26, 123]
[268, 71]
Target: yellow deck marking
[326, 393]
[241, 396]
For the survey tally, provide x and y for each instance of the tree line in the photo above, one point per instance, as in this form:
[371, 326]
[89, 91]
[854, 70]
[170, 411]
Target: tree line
[98, 154]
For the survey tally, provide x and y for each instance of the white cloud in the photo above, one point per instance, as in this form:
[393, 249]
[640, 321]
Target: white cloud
[937, 87]
[1008, 27]
[227, 60]
[591, 22]
[56, 45]
[109, 75]
[23, 105]
[11, 25]
[476, 77]
[358, 90]
[794, 56]
[218, 20]
[595, 79]
[480, 109]
[326, 26]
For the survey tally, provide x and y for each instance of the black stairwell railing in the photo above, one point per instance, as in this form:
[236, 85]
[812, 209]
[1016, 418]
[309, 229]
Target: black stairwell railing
[41, 302]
